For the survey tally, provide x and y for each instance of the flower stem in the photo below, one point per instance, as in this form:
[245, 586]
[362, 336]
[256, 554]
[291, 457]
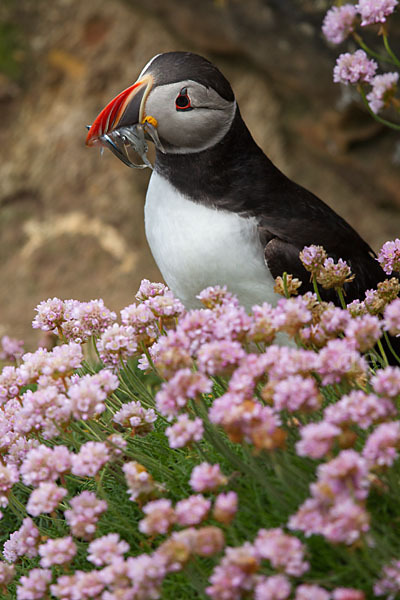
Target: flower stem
[372, 53]
[391, 347]
[382, 351]
[339, 292]
[388, 49]
[316, 290]
[376, 117]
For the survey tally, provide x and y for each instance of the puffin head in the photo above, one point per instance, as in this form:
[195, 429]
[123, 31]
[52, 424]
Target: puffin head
[181, 99]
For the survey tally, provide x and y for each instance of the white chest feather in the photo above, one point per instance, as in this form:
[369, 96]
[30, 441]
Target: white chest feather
[195, 246]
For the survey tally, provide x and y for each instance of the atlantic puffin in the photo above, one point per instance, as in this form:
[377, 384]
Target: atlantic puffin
[218, 211]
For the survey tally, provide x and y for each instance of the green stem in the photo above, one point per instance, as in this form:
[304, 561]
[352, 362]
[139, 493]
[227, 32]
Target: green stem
[371, 112]
[339, 292]
[316, 290]
[391, 347]
[388, 49]
[285, 287]
[372, 53]
[381, 350]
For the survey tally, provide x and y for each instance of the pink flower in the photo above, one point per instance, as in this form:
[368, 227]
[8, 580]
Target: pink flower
[207, 540]
[291, 314]
[390, 580]
[184, 431]
[171, 353]
[11, 349]
[206, 477]
[140, 483]
[11, 382]
[339, 21]
[174, 394]
[346, 522]
[392, 317]
[317, 439]
[347, 473]
[34, 586]
[339, 360]
[311, 592]
[276, 587]
[283, 551]
[375, 11]
[225, 507]
[386, 382]
[262, 327]
[166, 307]
[106, 549]
[235, 575]
[389, 254]
[133, 415]
[91, 457]
[192, 510]
[148, 289]
[383, 89]
[41, 410]
[45, 464]
[7, 573]
[57, 552]
[50, 314]
[219, 357]
[312, 258]
[87, 398]
[354, 68]
[365, 331]
[382, 445]
[23, 542]
[160, 517]
[215, 296]
[45, 498]
[360, 409]
[296, 393]
[116, 343]
[85, 511]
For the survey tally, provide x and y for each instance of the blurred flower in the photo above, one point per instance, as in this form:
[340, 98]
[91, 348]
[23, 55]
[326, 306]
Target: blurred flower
[375, 11]
[284, 552]
[235, 575]
[105, 549]
[275, 587]
[160, 516]
[85, 511]
[206, 477]
[7, 573]
[309, 591]
[392, 317]
[389, 254]
[386, 382]
[383, 89]
[140, 483]
[219, 357]
[23, 542]
[359, 408]
[339, 21]
[45, 464]
[317, 439]
[340, 360]
[347, 594]
[184, 431]
[91, 457]
[354, 68]
[225, 507]
[57, 552]
[215, 296]
[133, 416]
[45, 498]
[34, 586]
[365, 331]
[382, 444]
[183, 385]
[296, 393]
[389, 584]
[192, 510]
[11, 349]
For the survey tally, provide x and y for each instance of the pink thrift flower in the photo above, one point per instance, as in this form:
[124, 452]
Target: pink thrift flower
[140, 483]
[225, 507]
[262, 327]
[50, 314]
[148, 289]
[312, 258]
[317, 439]
[57, 552]
[375, 11]
[11, 349]
[146, 572]
[192, 510]
[143, 321]
[93, 317]
[219, 357]
[206, 477]
[392, 317]
[339, 21]
[347, 594]
[382, 444]
[311, 592]
[347, 473]
[354, 68]
[133, 416]
[389, 584]
[11, 382]
[383, 89]
[386, 382]
[174, 394]
[41, 409]
[275, 587]
[184, 431]
[334, 320]
[339, 360]
[296, 393]
[207, 540]
[116, 343]
[91, 457]
[171, 353]
[360, 409]
[62, 360]
[104, 550]
[235, 575]
[291, 314]
[233, 323]
[23, 542]
[85, 511]
[346, 522]
[283, 551]
[160, 516]
[45, 498]
[8, 476]
[365, 331]
[87, 398]
[45, 464]
[215, 296]
[389, 255]
[35, 585]
[7, 573]
[166, 307]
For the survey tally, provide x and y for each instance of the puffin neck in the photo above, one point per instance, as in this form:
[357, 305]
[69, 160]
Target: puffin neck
[219, 175]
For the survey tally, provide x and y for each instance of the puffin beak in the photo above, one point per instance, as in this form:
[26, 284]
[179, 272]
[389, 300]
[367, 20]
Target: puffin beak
[126, 109]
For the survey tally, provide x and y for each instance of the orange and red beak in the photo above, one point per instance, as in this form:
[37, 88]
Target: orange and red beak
[128, 108]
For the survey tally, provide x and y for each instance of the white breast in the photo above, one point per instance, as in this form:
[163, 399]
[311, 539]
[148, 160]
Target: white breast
[195, 246]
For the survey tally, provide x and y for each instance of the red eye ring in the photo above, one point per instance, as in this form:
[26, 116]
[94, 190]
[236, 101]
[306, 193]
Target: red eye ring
[183, 101]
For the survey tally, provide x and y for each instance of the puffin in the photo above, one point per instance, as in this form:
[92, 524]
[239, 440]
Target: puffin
[218, 211]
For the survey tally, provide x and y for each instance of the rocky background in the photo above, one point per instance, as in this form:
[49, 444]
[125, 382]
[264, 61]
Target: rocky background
[71, 222]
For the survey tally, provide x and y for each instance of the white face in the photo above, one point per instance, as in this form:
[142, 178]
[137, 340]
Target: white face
[190, 116]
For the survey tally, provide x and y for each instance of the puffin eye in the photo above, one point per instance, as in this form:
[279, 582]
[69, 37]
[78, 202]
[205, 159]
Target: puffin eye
[183, 101]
